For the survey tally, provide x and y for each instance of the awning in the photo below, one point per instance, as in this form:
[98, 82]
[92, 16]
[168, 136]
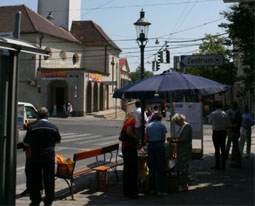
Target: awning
[21, 46]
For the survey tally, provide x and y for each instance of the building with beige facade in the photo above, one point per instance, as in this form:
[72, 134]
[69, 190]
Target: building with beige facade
[80, 67]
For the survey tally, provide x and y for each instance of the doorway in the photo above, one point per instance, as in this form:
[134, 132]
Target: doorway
[58, 96]
[60, 99]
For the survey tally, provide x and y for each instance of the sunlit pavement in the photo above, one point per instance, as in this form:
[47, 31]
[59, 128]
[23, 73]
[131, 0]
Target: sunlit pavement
[234, 186]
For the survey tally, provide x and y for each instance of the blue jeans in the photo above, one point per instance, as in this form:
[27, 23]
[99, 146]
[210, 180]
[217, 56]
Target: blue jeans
[157, 164]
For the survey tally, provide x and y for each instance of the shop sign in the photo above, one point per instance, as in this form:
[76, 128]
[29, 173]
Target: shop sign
[94, 77]
[53, 75]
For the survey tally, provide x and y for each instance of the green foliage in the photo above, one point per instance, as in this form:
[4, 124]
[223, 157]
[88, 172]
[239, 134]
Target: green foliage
[241, 32]
[214, 44]
[136, 75]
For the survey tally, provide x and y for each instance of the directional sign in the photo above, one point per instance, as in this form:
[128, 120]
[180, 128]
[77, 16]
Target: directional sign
[202, 60]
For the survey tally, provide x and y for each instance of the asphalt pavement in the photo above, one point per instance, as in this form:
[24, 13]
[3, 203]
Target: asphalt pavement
[234, 186]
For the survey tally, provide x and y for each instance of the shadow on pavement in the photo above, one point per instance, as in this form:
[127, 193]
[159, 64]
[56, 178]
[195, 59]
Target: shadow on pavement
[207, 187]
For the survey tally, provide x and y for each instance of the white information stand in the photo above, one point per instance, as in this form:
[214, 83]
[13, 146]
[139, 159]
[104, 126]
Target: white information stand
[194, 115]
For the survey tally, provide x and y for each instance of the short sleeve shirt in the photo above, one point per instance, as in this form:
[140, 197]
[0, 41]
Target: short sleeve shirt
[137, 113]
[155, 131]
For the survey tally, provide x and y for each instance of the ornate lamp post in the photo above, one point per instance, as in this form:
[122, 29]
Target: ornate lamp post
[142, 28]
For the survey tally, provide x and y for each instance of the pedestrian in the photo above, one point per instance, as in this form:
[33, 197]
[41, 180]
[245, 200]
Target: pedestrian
[64, 110]
[156, 109]
[27, 151]
[69, 109]
[41, 137]
[230, 114]
[138, 125]
[247, 122]
[184, 149]
[235, 134]
[129, 151]
[219, 120]
[155, 136]
[149, 114]
[54, 111]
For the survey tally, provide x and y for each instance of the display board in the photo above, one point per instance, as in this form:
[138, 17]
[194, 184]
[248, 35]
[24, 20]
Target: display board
[191, 110]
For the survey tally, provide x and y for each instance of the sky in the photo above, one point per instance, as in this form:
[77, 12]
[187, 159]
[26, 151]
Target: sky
[171, 20]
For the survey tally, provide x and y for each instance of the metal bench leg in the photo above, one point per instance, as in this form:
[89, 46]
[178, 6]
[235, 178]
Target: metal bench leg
[71, 189]
[116, 173]
[70, 186]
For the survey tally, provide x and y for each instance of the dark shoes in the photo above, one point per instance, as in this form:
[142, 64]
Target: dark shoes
[218, 168]
[133, 196]
[235, 166]
[34, 204]
[215, 168]
[25, 193]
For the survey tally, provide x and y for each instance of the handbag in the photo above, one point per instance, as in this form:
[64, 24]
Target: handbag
[125, 137]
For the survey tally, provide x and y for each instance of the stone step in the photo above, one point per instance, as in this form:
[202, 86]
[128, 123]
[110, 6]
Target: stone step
[110, 114]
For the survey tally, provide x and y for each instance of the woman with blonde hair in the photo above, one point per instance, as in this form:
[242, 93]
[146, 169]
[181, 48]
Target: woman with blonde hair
[129, 151]
[184, 148]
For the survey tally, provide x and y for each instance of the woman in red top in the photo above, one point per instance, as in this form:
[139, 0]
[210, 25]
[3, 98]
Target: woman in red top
[129, 151]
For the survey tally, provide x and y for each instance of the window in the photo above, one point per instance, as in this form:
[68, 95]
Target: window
[30, 112]
[62, 55]
[50, 53]
[75, 58]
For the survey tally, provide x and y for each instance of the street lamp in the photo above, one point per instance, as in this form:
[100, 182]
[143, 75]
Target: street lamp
[142, 28]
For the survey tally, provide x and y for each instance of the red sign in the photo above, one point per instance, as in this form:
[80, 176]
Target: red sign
[52, 75]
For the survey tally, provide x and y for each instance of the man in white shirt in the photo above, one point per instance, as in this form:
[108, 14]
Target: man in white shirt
[219, 120]
[138, 125]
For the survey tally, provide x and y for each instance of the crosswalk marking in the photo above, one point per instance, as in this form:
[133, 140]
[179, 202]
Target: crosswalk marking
[109, 142]
[65, 134]
[95, 140]
[79, 138]
[76, 135]
[59, 148]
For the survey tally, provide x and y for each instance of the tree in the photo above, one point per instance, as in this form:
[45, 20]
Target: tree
[215, 44]
[135, 76]
[241, 33]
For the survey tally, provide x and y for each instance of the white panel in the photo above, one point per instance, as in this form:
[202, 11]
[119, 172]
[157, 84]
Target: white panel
[75, 12]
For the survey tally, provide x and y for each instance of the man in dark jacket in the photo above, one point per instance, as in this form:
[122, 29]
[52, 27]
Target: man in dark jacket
[41, 137]
[235, 134]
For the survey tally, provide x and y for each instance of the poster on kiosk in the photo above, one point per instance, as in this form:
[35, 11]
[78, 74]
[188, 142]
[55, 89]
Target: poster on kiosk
[193, 113]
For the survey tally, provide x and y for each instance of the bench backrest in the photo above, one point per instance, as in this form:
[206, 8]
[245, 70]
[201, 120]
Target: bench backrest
[96, 152]
[110, 149]
[87, 154]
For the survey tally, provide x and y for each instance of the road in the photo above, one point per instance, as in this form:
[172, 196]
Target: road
[77, 135]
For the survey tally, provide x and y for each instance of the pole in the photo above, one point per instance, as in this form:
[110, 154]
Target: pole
[11, 143]
[142, 100]
[5, 64]
[116, 86]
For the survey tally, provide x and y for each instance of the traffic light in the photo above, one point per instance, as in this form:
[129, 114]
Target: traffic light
[157, 65]
[160, 57]
[167, 56]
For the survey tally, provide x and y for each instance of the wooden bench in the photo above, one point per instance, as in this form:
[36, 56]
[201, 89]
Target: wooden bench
[103, 157]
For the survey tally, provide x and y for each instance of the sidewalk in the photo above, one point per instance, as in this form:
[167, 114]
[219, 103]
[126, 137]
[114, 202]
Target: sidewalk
[207, 187]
